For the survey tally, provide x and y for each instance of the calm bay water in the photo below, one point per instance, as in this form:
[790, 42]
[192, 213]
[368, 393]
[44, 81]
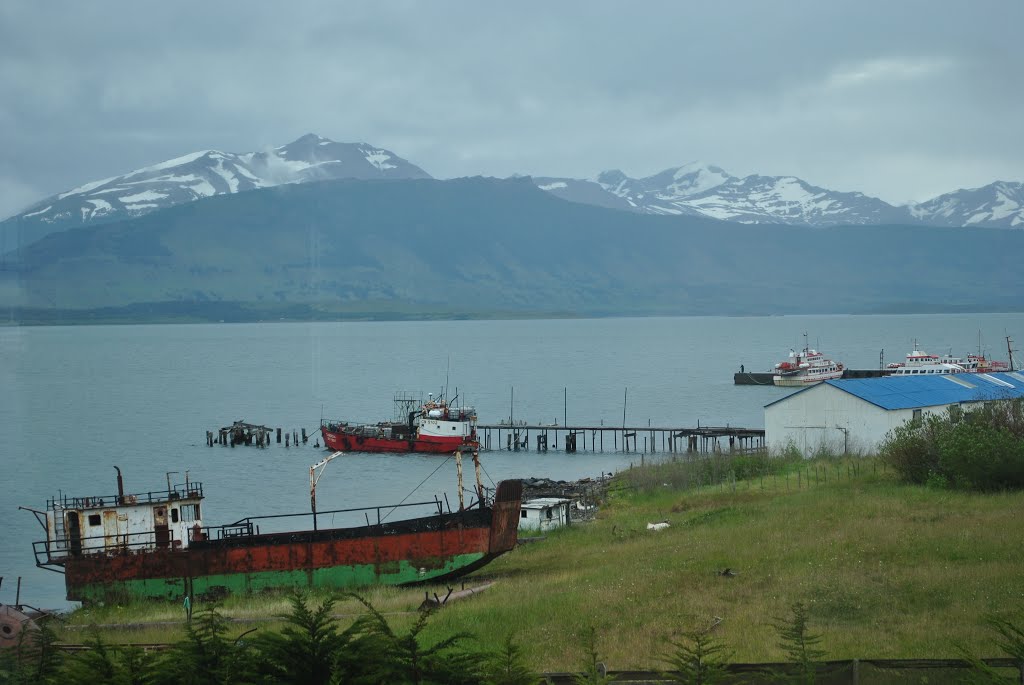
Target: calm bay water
[76, 401]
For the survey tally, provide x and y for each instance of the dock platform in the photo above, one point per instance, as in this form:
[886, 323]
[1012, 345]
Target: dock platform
[765, 377]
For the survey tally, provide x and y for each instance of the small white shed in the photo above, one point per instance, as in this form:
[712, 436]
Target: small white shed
[544, 513]
[854, 415]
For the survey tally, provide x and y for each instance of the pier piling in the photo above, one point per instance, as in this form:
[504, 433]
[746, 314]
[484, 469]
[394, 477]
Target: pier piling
[700, 439]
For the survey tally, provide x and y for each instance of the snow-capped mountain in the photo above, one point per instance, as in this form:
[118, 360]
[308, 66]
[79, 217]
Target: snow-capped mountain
[211, 172]
[695, 189]
[705, 190]
[997, 205]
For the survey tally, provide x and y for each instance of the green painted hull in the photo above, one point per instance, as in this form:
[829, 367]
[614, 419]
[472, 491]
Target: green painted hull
[400, 573]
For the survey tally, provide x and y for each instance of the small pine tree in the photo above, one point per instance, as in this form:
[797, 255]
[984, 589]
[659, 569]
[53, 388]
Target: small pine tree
[102, 663]
[390, 657]
[594, 671]
[308, 648]
[206, 656]
[698, 659]
[507, 666]
[799, 645]
[1010, 640]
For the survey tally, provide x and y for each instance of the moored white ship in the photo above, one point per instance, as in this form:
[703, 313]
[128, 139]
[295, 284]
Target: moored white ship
[918, 362]
[806, 367]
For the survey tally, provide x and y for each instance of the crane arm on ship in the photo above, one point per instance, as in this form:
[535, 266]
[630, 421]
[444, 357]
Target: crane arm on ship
[314, 478]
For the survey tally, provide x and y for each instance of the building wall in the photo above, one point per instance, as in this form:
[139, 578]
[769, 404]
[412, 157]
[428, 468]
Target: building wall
[538, 519]
[824, 418]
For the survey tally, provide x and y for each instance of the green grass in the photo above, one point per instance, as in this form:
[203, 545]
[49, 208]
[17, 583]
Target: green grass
[886, 571]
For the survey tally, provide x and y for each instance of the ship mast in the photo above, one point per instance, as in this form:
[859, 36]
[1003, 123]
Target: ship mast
[476, 466]
[1009, 351]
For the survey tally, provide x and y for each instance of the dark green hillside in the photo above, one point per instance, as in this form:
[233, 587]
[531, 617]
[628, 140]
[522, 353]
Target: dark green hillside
[480, 247]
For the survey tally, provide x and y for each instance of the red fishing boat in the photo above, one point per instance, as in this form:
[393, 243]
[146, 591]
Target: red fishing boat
[433, 426]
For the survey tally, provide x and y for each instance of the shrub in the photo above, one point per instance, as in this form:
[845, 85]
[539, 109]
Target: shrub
[977, 450]
[697, 658]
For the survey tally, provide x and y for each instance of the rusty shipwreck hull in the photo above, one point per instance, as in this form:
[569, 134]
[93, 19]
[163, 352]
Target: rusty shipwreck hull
[433, 548]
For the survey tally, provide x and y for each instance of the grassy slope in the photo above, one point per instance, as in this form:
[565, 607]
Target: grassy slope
[887, 571]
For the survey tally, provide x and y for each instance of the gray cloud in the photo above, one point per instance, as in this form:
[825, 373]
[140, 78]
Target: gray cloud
[898, 100]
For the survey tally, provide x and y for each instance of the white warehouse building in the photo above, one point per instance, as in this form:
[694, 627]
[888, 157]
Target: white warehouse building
[854, 415]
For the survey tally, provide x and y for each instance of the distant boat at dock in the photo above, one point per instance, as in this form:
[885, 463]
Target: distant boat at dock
[434, 426]
[918, 362]
[806, 367]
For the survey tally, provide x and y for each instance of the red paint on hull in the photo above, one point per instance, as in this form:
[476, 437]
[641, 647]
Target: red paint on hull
[341, 442]
[272, 553]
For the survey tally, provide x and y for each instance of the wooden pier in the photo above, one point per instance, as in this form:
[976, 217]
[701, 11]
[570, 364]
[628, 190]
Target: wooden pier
[522, 436]
[643, 439]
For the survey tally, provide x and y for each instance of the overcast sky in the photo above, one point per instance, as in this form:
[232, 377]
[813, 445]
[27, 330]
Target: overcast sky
[899, 100]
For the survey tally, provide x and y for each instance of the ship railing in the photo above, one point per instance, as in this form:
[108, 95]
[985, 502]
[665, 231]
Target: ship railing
[249, 525]
[51, 553]
[183, 491]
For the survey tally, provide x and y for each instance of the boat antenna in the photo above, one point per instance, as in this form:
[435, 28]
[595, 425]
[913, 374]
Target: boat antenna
[446, 372]
[1009, 351]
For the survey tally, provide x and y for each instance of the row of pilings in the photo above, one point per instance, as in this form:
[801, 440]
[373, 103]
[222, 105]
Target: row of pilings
[643, 439]
[250, 434]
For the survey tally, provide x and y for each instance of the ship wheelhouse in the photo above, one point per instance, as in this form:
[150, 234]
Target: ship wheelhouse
[119, 524]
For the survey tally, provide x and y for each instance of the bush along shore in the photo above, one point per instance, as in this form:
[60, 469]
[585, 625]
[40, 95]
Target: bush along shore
[825, 567]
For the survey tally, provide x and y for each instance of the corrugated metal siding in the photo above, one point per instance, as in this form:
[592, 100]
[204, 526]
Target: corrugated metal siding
[906, 392]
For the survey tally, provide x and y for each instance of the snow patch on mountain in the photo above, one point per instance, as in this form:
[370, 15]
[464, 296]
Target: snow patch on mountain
[138, 197]
[701, 189]
[44, 210]
[206, 173]
[379, 158]
[997, 205]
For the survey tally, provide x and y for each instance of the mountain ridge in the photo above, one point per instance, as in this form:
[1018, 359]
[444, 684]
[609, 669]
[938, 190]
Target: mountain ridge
[694, 189]
[480, 247]
[702, 189]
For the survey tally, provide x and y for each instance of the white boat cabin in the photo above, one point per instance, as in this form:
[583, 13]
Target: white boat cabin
[544, 513]
[118, 523]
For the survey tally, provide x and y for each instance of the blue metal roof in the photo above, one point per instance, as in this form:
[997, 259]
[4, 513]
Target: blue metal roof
[909, 392]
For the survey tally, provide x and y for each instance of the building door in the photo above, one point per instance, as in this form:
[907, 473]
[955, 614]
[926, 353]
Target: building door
[110, 528]
[160, 530]
[74, 533]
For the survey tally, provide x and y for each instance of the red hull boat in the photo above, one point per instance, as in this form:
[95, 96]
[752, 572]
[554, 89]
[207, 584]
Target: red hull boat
[433, 427]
